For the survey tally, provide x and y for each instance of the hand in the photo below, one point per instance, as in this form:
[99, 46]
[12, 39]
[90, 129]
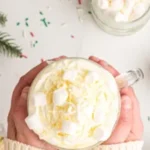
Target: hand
[17, 128]
[129, 127]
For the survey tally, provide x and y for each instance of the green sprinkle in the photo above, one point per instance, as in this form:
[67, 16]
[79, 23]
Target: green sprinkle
[48, 22]
[26, 19]
[18, 23]
[41, 13]
[89, 12]
[36, 42]
[44, 21]
[27, 24]
[148, 118]
[33, 45]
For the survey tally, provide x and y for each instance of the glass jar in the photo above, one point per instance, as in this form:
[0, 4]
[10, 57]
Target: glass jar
[109, 25]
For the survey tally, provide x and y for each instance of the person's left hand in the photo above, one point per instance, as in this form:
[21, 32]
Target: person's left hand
[17, 128]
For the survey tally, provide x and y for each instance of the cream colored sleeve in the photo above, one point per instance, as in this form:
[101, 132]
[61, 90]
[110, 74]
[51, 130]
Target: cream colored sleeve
[13, 145]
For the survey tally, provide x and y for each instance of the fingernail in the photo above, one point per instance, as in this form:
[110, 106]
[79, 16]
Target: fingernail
[126, 102]
[94, 58]
[103, 63]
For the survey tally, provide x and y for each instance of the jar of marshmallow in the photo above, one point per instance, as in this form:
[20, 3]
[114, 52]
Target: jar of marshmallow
[121, 17]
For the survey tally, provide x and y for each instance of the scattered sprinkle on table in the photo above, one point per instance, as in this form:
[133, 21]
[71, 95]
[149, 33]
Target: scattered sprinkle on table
[89, 12]
[27, 25]
[32, 34]
[148, 118]
[72, 36]
[18, 23]
[26, 19]
[44, 22]
[41, 13]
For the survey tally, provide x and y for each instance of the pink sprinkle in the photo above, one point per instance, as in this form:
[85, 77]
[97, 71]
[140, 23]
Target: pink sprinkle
[42, 60]
[72, 36]
[80, 2]
[23, 56]
[32, 34]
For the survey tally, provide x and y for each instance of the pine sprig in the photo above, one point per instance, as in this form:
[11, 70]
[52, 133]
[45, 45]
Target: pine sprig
[3, 19]
[8, 47]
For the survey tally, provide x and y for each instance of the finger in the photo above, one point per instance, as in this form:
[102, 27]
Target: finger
[124, 125]
[137, 126]
[20, 112]
[105, 65]
[11, 131]
[26, 80]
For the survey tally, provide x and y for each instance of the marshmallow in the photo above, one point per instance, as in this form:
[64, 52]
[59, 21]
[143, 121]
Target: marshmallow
[98, 134]
[34, 123]
[121, 17]
[39, 99]
[99, 116]
[116, 5]
[70, 75]
[60, 97]
[92, 77]
[138, 11]
[103, 4]
[69, 127]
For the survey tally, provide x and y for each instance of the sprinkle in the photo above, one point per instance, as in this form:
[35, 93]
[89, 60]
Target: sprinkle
[72, 36]
[48, 22]
[24, 34]
[41, 13]
[89, 12]
[148, 118]
[36, 42]
[44, 21]
[18, 23]
[23, 56]
[42, 60]
[27, 24]
[80, 2]
[63, 25]
[32, 34]
[26, 19]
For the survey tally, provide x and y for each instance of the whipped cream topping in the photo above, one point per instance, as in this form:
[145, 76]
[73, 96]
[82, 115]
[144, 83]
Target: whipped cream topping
[73, 103]
[121, 10]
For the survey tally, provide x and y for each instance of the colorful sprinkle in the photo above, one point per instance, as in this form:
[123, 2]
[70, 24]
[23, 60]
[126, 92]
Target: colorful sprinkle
[44, 21]
[27, 25]
[18, 23]
[148, 118]
[36, 42]
[24, 34]
[26, 19]
[41, 13]
[23, 56]
[80, 2]
[32, 34]
[89, 12]
[72, 36]
[48, 23]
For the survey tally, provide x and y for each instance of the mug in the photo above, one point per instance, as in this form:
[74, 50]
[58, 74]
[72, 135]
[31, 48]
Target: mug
[123, 80]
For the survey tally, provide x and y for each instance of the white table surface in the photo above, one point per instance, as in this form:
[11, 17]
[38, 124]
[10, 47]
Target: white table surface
[123, 52]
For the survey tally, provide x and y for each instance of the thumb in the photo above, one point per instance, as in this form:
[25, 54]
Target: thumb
[124, 125]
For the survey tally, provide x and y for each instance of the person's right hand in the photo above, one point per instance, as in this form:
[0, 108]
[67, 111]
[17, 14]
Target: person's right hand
[129, 126]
